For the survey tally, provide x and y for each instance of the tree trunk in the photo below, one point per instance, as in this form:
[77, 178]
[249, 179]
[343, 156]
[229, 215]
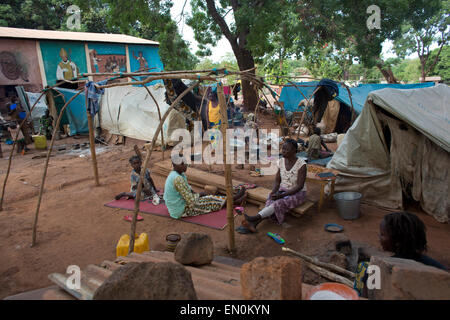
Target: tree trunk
[387, 73]
[245, 61]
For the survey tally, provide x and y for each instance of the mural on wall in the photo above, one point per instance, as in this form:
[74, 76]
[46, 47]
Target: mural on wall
[63, 60]
[19, 64]
[145, 58]
[11, 68]
[107, 58]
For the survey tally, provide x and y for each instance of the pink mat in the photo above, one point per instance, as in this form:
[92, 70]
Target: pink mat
[216, 220]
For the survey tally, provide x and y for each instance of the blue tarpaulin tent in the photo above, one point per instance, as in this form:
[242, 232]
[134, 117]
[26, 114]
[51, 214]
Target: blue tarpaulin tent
[76, 111]
[291, 96]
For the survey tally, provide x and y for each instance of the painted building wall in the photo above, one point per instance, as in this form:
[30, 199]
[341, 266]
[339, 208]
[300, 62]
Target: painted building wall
[107, 58]
[19, 64]
[63, 60]
[145, 57]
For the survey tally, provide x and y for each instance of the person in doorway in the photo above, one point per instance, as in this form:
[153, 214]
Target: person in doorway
[182, 201]
[148, 186]
[289, 190]
[315, 144]
[46, 122]
[404, 234]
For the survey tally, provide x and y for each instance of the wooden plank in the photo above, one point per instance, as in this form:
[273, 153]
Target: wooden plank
[84, 293]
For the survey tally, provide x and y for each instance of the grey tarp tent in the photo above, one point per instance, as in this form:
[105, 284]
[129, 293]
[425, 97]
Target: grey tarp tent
[400, 142]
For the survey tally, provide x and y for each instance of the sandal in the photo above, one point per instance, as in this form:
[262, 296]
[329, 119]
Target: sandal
[247, 225]
[130, 218]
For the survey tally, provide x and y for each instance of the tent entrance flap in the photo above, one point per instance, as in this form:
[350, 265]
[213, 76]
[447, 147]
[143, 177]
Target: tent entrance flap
[414, 161]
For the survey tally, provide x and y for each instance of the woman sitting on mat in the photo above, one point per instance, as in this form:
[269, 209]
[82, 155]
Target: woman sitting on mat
[148, 187]
[289, 190]
[182, 201]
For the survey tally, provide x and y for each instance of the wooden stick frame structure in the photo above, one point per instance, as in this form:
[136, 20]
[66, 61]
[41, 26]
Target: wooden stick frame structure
[145, 164]
[193, 75]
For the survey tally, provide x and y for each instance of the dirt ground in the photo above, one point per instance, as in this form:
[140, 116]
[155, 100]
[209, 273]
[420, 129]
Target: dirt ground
[75, 228]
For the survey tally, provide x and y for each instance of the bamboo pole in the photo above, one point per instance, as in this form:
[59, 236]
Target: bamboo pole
[321, 264]
[147, 159]
[41, 190]
[92, 141]
[150, 79]
[15, 139]
[227, 167]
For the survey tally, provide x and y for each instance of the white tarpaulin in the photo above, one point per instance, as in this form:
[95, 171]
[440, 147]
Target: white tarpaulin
[131, 112]
[415, 159]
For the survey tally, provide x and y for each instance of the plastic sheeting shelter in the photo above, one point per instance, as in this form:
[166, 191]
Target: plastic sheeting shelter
[400, 144]
[292, 97]
[130, 111]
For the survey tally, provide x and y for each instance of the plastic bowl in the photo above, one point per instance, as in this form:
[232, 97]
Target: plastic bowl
[344, 291]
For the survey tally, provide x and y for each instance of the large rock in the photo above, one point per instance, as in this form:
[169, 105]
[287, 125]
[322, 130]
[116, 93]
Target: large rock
[403, 279]
[148, 281]
[277, 278]
[195, 249]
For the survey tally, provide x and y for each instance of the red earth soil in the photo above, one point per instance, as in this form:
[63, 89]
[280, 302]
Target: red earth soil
[75, 228]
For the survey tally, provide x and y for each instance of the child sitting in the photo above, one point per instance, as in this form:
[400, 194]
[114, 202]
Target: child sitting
[148, 187]
[15, 131]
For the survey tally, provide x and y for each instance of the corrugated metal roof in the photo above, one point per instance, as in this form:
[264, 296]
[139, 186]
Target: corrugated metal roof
[71, 36]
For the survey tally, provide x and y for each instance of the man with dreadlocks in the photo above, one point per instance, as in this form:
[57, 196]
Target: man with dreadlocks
[403, 233]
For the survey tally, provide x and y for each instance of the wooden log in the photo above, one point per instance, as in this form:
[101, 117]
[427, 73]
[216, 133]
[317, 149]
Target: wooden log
[329, 275]
[321, 264]
[146, 161]
[92, 141]
[227, 168]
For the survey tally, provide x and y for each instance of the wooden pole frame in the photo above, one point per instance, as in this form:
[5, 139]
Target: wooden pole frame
[15, 138]
[227, 168]
[44, 175]
[145, 164]
[92, 140]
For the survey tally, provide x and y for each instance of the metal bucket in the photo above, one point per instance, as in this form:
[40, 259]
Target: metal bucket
[348, 204]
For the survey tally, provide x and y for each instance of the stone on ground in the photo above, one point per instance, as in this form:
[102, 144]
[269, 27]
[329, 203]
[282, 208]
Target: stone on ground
[277, 278]
[148, 281]
[195, 249]
[403, 279]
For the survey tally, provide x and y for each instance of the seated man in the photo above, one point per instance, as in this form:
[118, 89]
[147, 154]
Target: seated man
[315, 144]
[148, 187]
[182, 201]
[289, 190]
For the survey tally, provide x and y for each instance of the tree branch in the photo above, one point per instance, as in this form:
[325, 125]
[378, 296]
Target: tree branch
[222, 23]
[437, 56]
